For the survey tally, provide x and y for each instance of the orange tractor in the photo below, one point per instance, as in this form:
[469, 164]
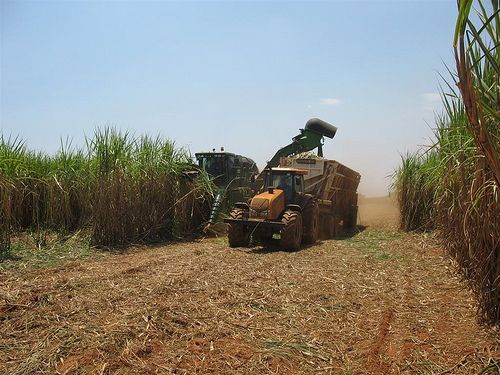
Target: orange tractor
[300, 200]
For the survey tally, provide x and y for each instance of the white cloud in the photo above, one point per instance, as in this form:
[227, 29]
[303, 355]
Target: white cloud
[432, 97]
[330, 101]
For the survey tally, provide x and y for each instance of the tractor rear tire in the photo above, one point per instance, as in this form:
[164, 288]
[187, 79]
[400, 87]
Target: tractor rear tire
[237, 234]
[310, 216]
[291, 234]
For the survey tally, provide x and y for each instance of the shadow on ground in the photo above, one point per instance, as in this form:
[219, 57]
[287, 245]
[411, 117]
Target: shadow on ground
[350, 233]
[273, 246]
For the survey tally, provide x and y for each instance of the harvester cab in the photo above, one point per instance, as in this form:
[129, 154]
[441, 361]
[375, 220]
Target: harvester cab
[232, 175]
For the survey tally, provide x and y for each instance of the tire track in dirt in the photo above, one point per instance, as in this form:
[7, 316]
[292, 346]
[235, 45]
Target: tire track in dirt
[376, 351]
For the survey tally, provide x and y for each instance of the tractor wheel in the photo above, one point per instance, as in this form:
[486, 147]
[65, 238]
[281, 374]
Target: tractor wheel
[237, 234]
[291, 234]
[310, 215]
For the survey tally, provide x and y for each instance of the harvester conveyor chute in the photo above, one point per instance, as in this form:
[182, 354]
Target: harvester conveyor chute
[309, 138]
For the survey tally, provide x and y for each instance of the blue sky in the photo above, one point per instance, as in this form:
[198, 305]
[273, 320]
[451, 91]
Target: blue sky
[245, 75]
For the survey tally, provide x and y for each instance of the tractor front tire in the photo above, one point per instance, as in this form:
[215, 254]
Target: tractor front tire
[291, 234]
[310, 215]
[237, 234]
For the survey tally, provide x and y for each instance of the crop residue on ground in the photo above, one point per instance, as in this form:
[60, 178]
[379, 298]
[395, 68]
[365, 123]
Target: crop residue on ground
[204, 308]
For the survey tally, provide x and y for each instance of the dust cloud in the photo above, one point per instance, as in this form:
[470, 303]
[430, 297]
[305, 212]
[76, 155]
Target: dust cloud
[379, 212]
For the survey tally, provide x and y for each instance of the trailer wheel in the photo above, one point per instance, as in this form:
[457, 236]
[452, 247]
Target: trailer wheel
[311, 222]
[291, 234]
[352, 218]
[328, 227]
[237, 234]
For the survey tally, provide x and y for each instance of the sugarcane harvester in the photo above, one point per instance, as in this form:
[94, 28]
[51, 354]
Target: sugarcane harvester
[232, 176]
[301, 197]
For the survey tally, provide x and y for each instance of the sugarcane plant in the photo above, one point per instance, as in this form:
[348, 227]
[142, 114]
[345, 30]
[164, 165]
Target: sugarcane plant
[120, 188]
[452, 185]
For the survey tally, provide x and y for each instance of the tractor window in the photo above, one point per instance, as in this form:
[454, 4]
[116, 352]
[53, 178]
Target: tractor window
[283, 182]
[279, 181]
[299, 188]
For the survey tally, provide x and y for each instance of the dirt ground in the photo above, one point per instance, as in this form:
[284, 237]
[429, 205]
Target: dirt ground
[379, 302]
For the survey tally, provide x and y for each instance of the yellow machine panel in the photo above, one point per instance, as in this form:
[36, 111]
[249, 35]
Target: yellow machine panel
[268, 205]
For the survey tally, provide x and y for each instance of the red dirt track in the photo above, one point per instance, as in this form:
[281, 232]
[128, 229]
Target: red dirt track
[380, 302]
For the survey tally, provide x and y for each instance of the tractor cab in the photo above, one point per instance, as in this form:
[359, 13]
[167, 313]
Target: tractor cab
[290, 180]
[282, 187]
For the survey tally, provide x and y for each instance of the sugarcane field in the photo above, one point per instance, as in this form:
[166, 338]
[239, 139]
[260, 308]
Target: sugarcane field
[226, 188]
